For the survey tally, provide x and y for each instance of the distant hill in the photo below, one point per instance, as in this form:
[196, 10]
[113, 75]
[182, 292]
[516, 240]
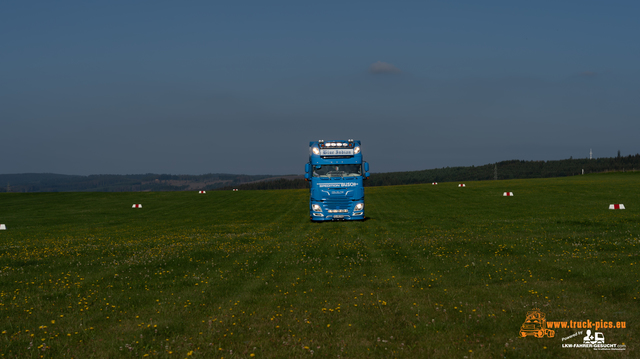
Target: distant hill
[508, 170]
[49, 182]
[281, 182]
[505, 170]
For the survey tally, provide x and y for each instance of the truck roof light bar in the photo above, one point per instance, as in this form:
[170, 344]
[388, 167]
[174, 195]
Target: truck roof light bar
[348, 143]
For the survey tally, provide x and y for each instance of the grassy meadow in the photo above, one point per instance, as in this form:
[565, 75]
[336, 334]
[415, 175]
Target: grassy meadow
[435, 272]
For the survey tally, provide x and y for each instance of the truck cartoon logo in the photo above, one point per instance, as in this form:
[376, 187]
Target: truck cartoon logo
[596, 338]
[536, 325]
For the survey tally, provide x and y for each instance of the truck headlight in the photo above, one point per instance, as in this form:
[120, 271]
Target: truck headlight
[316, 208]
[316, 151]
[356, 150]
[359, 207]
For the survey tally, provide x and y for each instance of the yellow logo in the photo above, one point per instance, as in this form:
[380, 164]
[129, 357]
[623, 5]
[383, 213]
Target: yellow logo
[536, 325]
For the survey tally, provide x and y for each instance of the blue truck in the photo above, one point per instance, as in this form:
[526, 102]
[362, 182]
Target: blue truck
[336, 172]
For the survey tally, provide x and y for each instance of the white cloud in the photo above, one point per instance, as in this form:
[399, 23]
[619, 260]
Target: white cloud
[383, 68]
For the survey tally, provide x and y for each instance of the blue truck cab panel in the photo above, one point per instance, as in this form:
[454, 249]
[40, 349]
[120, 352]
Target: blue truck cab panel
[336, 171]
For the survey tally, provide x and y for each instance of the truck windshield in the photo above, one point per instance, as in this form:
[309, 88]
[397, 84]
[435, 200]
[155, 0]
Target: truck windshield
[328, 171]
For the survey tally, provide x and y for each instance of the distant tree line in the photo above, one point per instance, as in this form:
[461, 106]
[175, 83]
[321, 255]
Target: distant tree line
[512, 169]
[48, 182]
[281, 183]
[508, 170]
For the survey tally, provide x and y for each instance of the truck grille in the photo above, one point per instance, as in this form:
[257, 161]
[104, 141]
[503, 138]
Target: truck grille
[337, 203]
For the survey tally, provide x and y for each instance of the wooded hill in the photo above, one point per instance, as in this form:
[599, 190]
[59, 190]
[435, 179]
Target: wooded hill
[505, 170]
[48, 182]
[508, 170]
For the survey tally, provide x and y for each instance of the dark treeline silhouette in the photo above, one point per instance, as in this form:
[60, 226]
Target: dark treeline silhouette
[280, 183]
[505, 170]
[49, 182]
[508, 170]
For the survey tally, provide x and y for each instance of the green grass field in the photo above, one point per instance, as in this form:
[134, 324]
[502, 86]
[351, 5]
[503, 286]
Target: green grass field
[435, 272]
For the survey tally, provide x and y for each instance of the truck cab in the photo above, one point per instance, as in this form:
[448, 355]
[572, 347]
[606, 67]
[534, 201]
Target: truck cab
[336, 173]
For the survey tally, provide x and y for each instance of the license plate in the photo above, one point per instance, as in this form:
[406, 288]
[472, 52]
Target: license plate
[338, 216]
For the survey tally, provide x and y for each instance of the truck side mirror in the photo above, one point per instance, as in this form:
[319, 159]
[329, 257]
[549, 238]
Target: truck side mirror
[307, 167]
[306, 176]
[366, 167]
[366, 175]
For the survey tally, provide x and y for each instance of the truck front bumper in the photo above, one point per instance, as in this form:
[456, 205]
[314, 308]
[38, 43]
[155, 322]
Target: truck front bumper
[353, 216]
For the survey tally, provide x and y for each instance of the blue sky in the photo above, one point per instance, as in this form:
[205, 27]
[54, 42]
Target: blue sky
[208, 87]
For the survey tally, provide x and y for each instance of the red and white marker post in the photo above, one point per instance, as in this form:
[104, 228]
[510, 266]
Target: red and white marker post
[616, 206]
[137, 206]
[508, 194]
